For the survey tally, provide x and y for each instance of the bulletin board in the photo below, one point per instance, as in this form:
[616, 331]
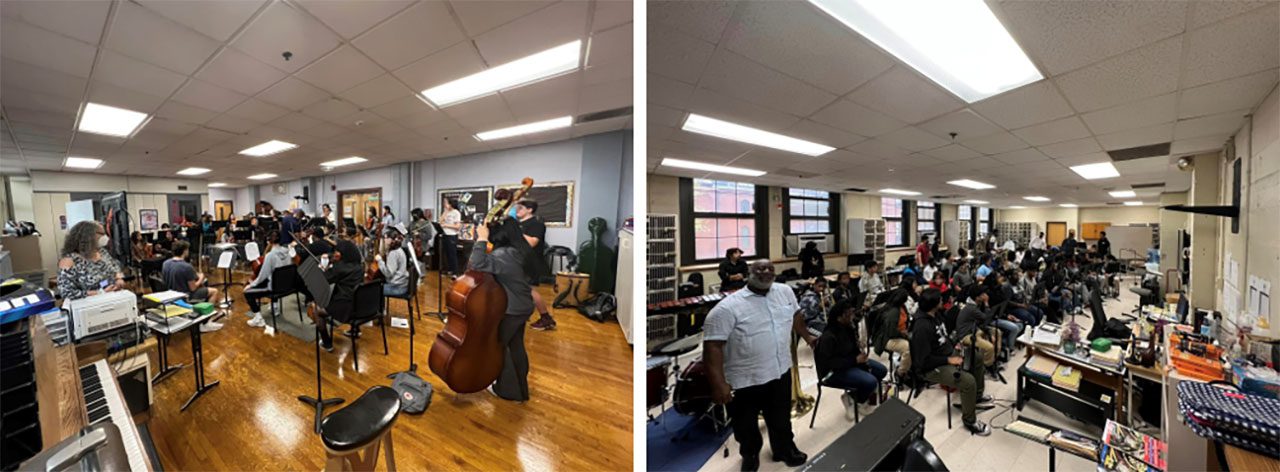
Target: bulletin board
[472, 201]
[555, 202]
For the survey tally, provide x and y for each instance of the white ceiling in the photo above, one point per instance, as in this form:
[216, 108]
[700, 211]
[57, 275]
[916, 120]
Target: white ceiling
[213, 75]
[1119, 74]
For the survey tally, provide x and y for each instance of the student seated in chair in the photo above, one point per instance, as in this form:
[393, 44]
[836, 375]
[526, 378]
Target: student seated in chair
[814, 304]
[396, 267]
[870, 282]
[890, 333]
[179, 275]
[973, 316]
[937, 361]
[841, 357]
[346, 273]
[844, 288]
[276, 257]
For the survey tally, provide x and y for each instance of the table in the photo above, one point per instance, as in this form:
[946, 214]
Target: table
[1154, 373]
[1095, 378]
[176, 325]
[1241, 459]
[1053, 455]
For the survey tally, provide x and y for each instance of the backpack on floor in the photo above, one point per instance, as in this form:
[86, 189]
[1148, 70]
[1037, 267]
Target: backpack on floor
[415, 393]
[601, 307]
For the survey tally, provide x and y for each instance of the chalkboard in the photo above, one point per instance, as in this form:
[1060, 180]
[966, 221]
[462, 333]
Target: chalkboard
[476, 206]
[555, 202]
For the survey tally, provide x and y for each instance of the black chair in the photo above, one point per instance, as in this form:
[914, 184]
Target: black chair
[410, 297]
[857, 416]
[284, 282]
[919, 384]
[368, 307]
[353, 435]
[156, 283]
[150, 267]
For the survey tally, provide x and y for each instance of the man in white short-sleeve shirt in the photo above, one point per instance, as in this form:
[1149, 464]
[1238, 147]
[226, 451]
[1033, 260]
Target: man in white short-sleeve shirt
[748, 356]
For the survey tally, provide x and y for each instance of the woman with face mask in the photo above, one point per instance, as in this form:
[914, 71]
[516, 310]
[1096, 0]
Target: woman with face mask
[85, 268]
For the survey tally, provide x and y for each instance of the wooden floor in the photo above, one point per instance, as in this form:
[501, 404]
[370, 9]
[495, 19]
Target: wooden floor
[579, 416]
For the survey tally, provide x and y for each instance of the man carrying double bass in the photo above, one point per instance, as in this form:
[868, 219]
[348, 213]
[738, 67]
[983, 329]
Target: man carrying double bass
[506, 264]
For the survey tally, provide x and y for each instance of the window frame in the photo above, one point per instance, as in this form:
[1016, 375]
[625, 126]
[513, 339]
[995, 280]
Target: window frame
[688, 243]
[936, 220]
[832, 217]
[904, 218]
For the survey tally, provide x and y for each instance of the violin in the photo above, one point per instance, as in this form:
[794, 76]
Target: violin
[466, 353]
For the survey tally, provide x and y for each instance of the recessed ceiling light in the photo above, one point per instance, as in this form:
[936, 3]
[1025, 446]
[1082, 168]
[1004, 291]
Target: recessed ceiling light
[1123, 193]
[193, 171]
[898, 192]
[1067, 205]
[217, 184]
[268, 148]
[1099, 170]
[111, 121]
[973, 184]
[513, 74]
[736, 132]
[527, 128]
[977, 202]
[1132, 203]
[1016, 207]
[960, 44]
[346, 161]
[1036, 198]
[262, 176]
[683, 164]
[82, 163]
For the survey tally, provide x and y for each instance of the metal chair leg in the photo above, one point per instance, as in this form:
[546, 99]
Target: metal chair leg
[355, 351]
[383, 326]
[816, 402]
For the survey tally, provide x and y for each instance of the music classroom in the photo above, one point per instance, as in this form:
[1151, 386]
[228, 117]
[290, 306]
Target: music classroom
[306, 235]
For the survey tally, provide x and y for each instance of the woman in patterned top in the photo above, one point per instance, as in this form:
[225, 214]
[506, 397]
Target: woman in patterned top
[85, 268]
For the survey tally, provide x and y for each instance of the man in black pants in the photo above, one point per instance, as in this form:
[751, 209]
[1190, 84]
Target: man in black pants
[933, 358]
[748, 355]
[535, 233]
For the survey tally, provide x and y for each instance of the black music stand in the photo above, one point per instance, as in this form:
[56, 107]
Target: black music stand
[440, 312]
[316, 283]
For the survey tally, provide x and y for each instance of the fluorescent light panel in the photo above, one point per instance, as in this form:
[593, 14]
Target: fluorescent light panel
[346, 161]
[1067, 205]
[1016, 207]
[193, 171]
[973, 184]
[1035, 198]
[895, 191]
[746, 134]
[528, 128]
[1098, 170]
[683, 164]
[268, 148]
[217, 184]
[1133, 203]
[523, 71]
[959, 44]
[262, 176]
[977, 202]
[1123, 193]
[82, 163]
[111, 121]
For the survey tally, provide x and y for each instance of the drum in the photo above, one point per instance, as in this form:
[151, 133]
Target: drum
[656, 380]
[693, 390]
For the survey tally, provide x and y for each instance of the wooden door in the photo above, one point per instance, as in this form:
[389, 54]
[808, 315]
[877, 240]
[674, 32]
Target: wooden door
[1055, 232]
[355, 204]
[223, 209]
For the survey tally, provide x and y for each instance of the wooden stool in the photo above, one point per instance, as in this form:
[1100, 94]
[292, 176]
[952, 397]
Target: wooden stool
[353, 435]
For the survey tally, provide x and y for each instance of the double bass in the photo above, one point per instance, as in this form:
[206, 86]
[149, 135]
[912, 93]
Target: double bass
[466, 353]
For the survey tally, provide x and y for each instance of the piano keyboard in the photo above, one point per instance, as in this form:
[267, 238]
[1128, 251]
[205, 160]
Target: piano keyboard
[104, 403]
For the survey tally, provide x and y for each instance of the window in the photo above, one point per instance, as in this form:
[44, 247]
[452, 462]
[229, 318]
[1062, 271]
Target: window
[809, 212]
[984, 221]
[928, 219]
[894, 212]
[722, 215]
[965, 213]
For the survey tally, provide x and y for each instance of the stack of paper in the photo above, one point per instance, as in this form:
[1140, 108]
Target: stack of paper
[1047, 334]
[1112, 358]
[1067, 377]
[1028, 430]
[165, 296]
[1042, 366]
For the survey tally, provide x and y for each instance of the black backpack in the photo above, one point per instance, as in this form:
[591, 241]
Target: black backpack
[601, 307]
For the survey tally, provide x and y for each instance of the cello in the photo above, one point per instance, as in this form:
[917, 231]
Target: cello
[466, 353]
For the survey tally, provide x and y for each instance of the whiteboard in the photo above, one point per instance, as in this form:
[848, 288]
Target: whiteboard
[77, 211]
[1129, 238]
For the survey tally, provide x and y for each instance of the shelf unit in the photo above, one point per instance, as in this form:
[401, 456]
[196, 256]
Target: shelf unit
[1020, 232]
[955, 234]
[662, 256]
[866, 236]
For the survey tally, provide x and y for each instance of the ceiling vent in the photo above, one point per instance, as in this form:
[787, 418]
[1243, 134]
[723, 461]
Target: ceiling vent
[944, 197]
[1150, 185]
[1115, 203]
[602, 115]
[1140, 152]
[856, 189]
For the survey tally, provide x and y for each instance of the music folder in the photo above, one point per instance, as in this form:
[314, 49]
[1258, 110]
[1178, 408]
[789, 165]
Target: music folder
[315, 281]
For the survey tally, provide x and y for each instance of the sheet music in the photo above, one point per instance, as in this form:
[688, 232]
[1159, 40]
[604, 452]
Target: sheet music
[251, 251]
[224, 261]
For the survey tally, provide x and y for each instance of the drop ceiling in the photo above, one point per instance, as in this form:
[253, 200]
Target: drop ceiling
[213, 74]
[1119, 74]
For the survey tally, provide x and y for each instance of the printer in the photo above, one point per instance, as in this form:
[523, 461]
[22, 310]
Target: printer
[102, 312]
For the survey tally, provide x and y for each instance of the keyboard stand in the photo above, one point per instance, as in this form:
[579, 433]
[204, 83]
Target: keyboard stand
[197, 361]
[166, 369]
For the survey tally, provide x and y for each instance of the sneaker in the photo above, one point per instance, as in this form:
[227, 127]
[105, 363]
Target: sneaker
[544, 323]
[327, 347]
[849, 406]
[794, 459]
[985, 400]
[750, 464]
[865, 409]
[257, 321]
[978, 428]
[210, 327]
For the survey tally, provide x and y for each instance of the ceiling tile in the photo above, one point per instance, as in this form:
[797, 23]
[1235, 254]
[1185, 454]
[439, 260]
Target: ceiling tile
[676, 55]
[17, 75]
[237, 71]
[545, 99]
[340, 70]
[611, 46]
[208, 96]
[376, 92]
[217, 19]
[965, 123]
[185, 113]
[1056, 131]
[136, 75]
[1196, 145]
[137, 32]
[807, 130]
[795, 38]
[705, 20]
[1162, 133]
[1145, 72]
[544, 29]
[282, 28]
[855, 118]
[600, 97]
[1022, 156]
[912, 138]
[455, 62]
[1024, 106]
[724, 107]
[741, 78]
[902, 94]
[232, 124]
[1221, 125]
[1071, 148]
[107, 94]
[995, 143]
[1068, 35]
[293, 94]
[611, 14]
[257, 111]
[25, 43]
[350, 19]
[332, 110]
[82, 20]
[1233, 94]
[1238, 46]
[1145, 112]
[1203, 13]
[413, 34]
[19, 98]
[952, 152]
[478, 17]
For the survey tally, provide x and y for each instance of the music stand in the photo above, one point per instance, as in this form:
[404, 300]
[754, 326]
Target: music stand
[440, 309]
[320, 290]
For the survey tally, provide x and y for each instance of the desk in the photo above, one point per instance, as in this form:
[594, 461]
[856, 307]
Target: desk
[1154, 373]
[1096, 381]
[1240, 459]
[176, 325]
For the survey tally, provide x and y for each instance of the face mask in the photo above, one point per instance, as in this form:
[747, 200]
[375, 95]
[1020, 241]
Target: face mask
[512, 213]
[103, 240]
